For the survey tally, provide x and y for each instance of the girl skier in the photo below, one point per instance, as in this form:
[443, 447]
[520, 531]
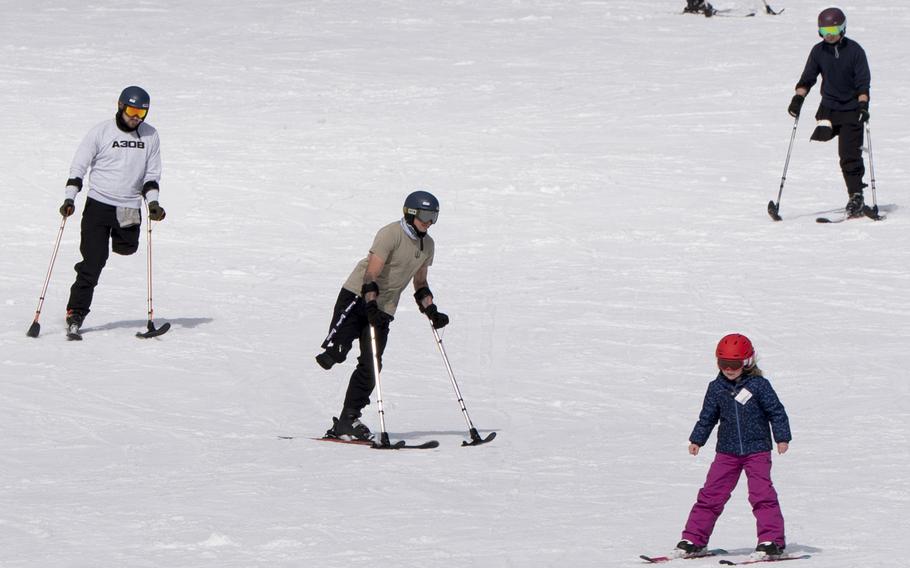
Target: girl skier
[748, 409]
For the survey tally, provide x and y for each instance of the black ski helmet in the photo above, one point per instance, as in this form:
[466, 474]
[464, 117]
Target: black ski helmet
[830, 17]
[422, 205]
[135, 97]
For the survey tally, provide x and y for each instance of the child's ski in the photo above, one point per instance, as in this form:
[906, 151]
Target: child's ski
[703, 554]
[766, 559]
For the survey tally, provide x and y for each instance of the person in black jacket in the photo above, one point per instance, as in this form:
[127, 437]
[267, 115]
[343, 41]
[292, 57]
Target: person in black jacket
[844, 108]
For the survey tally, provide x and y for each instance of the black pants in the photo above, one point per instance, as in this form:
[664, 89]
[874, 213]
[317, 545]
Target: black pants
[349, 323]
[849, 132]
[99, 225]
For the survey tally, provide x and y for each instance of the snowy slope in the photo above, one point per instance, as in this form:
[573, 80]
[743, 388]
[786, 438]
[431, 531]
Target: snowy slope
[603, 167]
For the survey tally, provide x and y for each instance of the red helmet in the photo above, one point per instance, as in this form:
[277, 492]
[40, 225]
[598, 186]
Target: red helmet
[735, 347]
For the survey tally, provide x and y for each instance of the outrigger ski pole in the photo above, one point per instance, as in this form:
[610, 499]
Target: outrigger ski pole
[476, 440]
[152, 331]
[384, 443]
[774, 208]
[35, 328]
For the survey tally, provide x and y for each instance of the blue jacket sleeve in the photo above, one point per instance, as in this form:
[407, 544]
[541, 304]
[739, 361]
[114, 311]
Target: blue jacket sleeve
[777, 415]
[707, 419]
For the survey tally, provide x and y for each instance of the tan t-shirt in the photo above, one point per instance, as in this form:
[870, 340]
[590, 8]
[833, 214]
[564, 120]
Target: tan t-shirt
[403, 258]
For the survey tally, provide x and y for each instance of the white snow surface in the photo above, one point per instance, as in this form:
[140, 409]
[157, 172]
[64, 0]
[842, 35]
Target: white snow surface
[604, 169]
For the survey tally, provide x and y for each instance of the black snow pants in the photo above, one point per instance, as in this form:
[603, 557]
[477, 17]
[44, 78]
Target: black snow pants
[349, 323]
[99, 226]
[849, 132]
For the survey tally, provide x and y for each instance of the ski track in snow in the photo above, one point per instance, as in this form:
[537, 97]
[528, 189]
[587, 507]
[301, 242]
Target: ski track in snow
[603, 170]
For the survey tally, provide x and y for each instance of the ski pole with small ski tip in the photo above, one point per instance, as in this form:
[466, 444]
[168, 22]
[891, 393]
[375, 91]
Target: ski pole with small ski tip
[384, 443]
[774, 208]
[35, 328]
[151, 330]
[476, 440]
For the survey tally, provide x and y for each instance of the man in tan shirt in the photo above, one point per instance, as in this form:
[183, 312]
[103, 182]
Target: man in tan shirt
[402, 253]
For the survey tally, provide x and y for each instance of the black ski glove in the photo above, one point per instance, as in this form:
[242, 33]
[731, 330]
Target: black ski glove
[439, 319]
[156, 212]
[796, 104]
[375, 316]
[68, 207]
[864, 111]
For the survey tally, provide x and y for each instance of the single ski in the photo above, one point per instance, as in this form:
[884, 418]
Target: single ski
[384, 444]
[870, 212]
[399, 445]
[702, 554]
[765, 559]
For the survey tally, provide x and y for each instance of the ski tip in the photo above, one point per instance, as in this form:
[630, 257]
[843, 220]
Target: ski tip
[822, 220]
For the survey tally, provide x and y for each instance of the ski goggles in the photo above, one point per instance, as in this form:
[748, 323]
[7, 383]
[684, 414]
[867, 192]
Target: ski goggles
[424, 215]
[730, 364]
[831, 30]
[135, 112]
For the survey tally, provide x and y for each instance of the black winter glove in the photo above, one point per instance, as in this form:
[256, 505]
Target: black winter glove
[796, 104]
[864, 111]
[375, 316]
[156, 212]
[68, 208]
[439, 319]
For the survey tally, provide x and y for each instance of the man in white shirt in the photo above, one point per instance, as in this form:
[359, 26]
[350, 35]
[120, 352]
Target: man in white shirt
[125, 162]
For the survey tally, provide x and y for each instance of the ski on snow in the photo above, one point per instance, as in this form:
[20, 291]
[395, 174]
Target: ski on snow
[399, 445]
[870, 212]
[703, 554]
[766, 559]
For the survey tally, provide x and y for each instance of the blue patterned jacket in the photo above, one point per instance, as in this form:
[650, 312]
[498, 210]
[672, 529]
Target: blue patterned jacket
[745, 427]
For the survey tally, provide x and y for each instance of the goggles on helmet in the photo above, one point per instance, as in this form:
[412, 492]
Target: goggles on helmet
[730, 364]
[133, 111]
[831, 30]
[424, 215]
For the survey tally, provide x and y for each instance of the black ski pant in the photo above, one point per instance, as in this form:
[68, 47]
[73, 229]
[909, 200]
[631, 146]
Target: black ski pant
[849, 132]
[350, 323]
[99, 227]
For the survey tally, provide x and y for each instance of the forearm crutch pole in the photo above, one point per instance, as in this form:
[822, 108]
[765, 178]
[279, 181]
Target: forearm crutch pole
[35, 328]
[871, 171]
[383, 435]
[475, 437]
[774, 208]
[151, 330]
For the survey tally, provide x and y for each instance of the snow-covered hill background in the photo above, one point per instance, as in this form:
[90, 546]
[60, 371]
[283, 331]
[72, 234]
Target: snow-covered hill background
[603, 168]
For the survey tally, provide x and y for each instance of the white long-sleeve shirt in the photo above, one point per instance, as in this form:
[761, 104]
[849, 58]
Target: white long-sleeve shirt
[121, 164]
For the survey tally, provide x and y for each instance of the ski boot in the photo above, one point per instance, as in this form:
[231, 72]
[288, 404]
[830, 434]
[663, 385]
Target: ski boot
[686, 549]
[855, 206]
[767, 551]
[349, 428]
[74, 321]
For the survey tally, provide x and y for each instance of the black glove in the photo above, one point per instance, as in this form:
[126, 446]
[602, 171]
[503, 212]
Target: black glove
[796, 104]
[375, 316]
[439, 319]
[68, 208]
[156, 212]
[864, 111]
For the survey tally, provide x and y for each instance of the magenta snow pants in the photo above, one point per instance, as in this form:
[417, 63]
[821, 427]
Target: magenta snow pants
[722, 478]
